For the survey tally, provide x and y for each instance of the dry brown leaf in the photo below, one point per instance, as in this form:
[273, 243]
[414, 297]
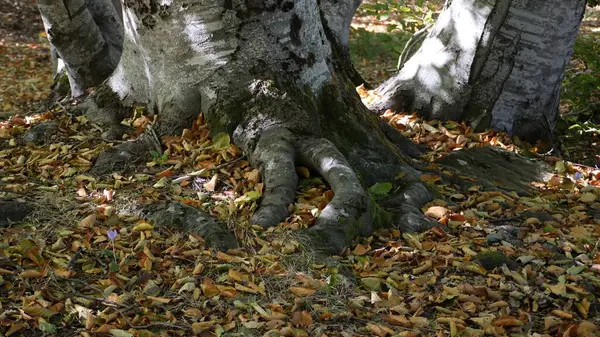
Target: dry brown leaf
[88, 221]
[507, 321]
[301, 319]
[301, 291]
[379, 330]
[212, 184]
[562, 314]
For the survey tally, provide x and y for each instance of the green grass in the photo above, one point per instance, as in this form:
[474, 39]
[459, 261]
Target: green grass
[375, 55]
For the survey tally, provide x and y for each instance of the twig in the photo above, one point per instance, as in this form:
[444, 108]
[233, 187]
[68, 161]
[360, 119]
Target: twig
[82, 282]
[199, 172]
[161, 325]
[155, 139]
[512, 218]
[74, 258]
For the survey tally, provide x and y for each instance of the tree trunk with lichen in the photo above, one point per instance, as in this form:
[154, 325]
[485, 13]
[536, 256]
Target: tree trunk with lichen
[494, 63]
[276, 76]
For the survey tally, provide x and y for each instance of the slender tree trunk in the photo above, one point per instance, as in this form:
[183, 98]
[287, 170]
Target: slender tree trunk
[496, 63]
[87, 36]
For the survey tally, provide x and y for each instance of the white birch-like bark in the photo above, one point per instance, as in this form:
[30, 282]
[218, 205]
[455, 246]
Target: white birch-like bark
[496, 63]
[87, 37]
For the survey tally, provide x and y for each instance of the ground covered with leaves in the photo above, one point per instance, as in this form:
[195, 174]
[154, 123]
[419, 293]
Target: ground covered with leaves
[24, 58]
[85, 262]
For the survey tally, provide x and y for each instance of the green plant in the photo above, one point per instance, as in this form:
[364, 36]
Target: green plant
[581, 85]
[158, 158]
[410, 16]
[380, 190]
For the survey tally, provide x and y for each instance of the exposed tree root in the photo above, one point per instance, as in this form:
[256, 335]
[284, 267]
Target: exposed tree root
[275, 157]
[13, 211]
[175, 215]
[347, 215]
[123, 156]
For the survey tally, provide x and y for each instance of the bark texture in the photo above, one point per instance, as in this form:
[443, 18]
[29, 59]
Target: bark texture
[276, 75]
[496, 63]
[87, 36]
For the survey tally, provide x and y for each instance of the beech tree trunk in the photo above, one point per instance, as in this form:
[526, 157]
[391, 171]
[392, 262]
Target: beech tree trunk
[495, 63]
[276, 76]
[87, 36]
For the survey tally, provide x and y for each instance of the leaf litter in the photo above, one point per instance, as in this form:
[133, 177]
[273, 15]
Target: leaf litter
[85, 263]
[498, 263]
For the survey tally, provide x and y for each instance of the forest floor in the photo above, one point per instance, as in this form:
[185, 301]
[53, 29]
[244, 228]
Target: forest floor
[83, 262]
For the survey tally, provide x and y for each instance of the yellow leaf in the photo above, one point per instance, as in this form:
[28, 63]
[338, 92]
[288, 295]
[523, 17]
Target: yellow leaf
[303, 171]
[560, 167]
[159, 299]
[15, 327]
[245, 289]
[198, 269]
[301, 291]
[237, 276]
[212, 184]
[143, 226]
[583, 307]
[588, 197]
[228, 258]
[88, 221]
[119, 333]
[83, 178]
[31, 274]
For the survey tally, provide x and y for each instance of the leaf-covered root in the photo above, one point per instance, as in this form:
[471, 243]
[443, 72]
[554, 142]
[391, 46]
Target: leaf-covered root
[105, 109]
[274, 155]
[348, 214]
[405, 207]
[122, 156]
[187, 219]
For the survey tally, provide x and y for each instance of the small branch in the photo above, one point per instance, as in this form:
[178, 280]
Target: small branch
[155, 139]
[199, 172]
[161, 325]
[509, 219]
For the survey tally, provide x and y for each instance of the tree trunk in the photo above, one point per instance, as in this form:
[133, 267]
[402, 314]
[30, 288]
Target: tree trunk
[276, 77]
[495, 63]
[87, 36]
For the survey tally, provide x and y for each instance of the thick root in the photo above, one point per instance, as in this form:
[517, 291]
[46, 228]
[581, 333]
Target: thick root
[122, 156]
[352, 212]
[347, 215]
[275, 157]
[175, 215]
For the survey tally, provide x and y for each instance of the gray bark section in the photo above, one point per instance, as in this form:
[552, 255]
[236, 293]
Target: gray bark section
[87, 36]
[177, 216]
[496, 169]
[496, 63]
[272, 75]
[337, 16]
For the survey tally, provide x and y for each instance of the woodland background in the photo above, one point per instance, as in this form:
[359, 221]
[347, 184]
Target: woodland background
[82, 262]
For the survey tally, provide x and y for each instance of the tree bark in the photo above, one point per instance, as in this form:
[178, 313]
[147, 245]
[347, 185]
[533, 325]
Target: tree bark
[87, 36]
[276, 77]
[495, 63]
